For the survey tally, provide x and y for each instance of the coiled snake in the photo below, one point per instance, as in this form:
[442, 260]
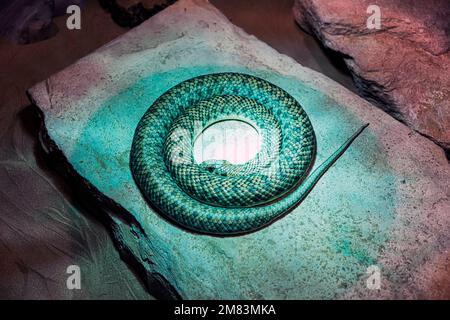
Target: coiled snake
[217, 197]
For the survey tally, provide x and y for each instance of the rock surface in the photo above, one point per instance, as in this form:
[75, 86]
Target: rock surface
[384, 203]
[404, 67]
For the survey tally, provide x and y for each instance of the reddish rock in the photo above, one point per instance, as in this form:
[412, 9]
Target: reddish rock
[404, 67]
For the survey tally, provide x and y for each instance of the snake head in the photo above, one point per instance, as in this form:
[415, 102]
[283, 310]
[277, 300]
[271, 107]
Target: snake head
[219, 167]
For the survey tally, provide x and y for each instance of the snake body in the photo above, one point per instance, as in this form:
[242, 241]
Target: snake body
[217, 197]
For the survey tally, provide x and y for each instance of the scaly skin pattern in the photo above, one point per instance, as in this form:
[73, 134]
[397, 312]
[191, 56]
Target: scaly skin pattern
[217, 197]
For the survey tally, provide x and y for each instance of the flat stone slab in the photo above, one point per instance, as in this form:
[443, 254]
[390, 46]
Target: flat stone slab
[385, 203]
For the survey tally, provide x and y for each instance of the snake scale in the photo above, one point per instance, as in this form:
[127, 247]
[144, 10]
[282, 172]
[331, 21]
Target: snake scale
[216, 197]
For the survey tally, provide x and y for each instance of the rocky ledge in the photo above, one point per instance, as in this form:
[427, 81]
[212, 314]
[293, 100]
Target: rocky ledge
[403, 67]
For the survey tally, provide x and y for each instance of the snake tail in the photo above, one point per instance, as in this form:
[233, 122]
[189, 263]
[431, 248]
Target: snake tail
[303, 190]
